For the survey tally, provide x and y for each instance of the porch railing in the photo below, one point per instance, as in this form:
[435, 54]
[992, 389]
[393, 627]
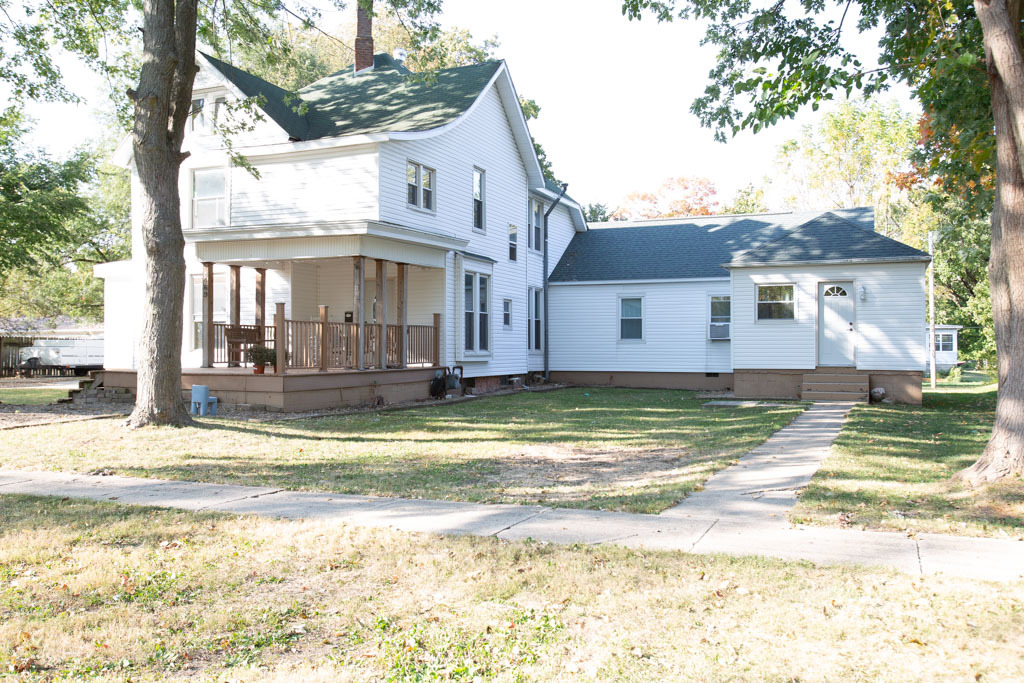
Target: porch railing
[221, 351]
[305, 340]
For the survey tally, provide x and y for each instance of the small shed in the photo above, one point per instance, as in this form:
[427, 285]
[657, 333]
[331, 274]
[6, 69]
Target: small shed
[947, 345]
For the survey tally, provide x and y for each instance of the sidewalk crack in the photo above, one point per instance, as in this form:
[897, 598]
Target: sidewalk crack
[517, 523]
[702, 536]
[235, 500]
[920, 565]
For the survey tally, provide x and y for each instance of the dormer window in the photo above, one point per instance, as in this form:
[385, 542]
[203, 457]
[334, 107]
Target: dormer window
[420, 186]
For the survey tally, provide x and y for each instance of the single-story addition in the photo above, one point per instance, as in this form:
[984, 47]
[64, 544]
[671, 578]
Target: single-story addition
[787, 305]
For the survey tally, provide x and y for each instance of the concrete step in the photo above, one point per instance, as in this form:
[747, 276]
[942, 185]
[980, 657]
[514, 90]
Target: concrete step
[837, 386]
[833, 378]
[834, 370]
[855, 396]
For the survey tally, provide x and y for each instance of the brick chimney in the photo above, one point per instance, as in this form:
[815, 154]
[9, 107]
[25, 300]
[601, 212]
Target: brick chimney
[364, 39]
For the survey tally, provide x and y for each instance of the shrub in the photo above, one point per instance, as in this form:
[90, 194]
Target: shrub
[955, 375]
[261, 355]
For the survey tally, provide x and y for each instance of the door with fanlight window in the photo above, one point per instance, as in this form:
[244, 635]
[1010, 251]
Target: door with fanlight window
[837, 333]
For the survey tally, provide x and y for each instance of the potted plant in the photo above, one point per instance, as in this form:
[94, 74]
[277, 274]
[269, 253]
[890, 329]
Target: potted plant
[260, 357]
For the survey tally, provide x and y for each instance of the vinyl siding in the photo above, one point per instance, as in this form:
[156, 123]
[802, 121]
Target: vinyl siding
[889, 322]
[484, 140]
[585, 328]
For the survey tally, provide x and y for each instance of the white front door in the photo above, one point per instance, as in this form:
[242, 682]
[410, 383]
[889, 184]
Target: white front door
[837, 336]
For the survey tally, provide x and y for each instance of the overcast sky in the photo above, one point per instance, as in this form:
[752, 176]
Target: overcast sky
[614, 95]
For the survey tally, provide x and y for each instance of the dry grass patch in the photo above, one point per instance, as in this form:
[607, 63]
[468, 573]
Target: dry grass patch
[891, 468]
[99, 591]
[621, 449]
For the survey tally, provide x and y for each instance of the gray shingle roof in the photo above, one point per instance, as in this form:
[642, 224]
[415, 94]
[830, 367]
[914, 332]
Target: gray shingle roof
[698, 247]
[382, 100]
[829, 237]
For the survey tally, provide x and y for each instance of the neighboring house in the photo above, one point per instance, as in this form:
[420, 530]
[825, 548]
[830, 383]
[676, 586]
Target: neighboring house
[396, 225]
[789, 305]
[947, 347]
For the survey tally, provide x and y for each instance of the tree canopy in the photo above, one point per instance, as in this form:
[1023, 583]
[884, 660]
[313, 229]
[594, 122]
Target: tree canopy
[682, 196]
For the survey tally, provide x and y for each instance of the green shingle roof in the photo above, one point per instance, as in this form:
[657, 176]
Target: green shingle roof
[698, 247]
[384, 99]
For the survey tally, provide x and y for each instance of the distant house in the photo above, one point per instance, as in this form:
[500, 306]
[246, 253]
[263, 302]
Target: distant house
[397, 225]
[947, 348]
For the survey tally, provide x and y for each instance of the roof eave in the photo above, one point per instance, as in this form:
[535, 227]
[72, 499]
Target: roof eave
[828, 262]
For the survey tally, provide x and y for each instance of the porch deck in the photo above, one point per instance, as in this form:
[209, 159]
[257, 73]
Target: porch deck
[299, 389]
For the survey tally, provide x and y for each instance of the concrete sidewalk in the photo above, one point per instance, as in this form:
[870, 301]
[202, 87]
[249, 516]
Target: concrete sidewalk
[692, 531]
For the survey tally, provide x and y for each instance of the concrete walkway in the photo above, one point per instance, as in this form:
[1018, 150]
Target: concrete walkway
[741, 511]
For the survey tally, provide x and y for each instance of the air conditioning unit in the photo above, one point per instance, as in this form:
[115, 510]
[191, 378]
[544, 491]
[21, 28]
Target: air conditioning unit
[717, 331]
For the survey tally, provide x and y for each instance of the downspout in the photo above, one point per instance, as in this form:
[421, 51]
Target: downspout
[547, 367]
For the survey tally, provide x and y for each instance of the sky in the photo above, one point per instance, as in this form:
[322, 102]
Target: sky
[614, 96]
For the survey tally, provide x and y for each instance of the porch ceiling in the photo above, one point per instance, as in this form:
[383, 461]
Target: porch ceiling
[367, 238]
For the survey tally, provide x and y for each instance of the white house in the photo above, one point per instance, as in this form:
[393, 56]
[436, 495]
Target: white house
[947, 347]
[395, 225]
[813, 305]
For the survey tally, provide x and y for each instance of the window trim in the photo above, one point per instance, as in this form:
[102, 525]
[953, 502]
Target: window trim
[225, 198]
[536, 242]
[535, 316]
[476, 351]
[643, 315]
[483, 200]
[758, 302]
[420, 168]
[711, 299]
[506, 312]
[513, 242]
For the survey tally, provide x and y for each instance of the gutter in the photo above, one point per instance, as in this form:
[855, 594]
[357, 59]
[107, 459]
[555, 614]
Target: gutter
[547, 367]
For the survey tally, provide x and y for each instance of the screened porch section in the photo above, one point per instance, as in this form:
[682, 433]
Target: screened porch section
[330, 314]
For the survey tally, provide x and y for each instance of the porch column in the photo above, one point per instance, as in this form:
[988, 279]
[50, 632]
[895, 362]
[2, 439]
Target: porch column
[403, 317]
[207, 314]
[235, 314]
[437, 340]
[382, 313]
[358, 274]
[280, 340]
[261, 300]
[325, 339]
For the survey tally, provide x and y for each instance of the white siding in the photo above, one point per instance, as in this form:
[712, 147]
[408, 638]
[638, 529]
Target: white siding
[122, 313]
[889, 322]
[585, 328]
[483, 140]
[307, 190]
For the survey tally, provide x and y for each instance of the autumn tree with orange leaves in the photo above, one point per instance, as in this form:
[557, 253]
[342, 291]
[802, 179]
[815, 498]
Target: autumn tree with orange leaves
[682, 196]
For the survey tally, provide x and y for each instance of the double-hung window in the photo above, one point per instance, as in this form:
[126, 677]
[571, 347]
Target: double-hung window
[536, 225]
[476, 307]
[420, 182]
[506, 313]
[209, 198]
[196, 114]
[944, 341]
[479, 207]
[776, 302]
[535, 329]
[719, 317]
[513, 242]
[631, 318]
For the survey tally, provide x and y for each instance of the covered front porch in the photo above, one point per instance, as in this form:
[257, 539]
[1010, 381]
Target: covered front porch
[321, 309]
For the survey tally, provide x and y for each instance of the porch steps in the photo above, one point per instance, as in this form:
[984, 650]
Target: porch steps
[835, 386]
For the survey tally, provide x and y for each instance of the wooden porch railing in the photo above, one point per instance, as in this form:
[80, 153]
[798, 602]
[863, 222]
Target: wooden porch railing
[220, 341]
[305, 338]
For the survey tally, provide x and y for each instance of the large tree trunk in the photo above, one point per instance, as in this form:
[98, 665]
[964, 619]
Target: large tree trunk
[162, 104]
[1004, 454]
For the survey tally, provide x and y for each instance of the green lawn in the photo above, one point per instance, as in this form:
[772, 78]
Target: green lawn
[890, 468]
[620, 449]
[97, 591]
[31, 396]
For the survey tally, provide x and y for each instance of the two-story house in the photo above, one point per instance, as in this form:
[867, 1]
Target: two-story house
[400, 205]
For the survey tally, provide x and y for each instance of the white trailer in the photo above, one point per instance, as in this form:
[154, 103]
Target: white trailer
[80, 355]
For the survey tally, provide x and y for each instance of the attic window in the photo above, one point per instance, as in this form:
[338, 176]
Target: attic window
[198, 120]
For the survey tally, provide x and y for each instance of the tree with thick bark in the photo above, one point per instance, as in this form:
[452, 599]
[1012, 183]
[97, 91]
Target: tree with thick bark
[963, 62]
[101, 32]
